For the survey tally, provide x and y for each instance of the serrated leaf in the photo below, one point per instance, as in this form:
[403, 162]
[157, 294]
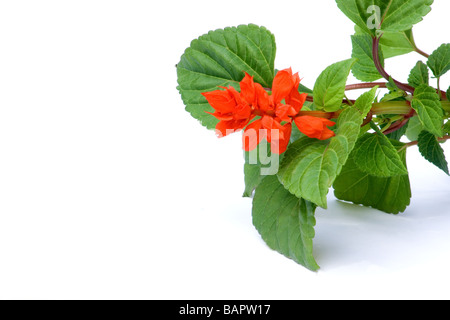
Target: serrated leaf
[306, 170]
[329, 88]
[427, 104]
[394, 91]
[365, 101]
[391, 195]
[375, 155]
[391, 85]
[419, 75]
[398, 134]
[431, 150]
[310, 166]
[285, 222]
[220, 58]
[385, 15]
[394, 44]
[439, 60]
[393, 95]
[364, 68]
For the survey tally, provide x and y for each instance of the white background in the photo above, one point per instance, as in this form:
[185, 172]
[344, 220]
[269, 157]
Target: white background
[110, 190]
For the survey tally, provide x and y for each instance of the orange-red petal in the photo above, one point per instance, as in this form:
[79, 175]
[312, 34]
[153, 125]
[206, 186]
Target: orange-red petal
[272, 124]
[248, 91]
[296, 100]
[285, 112]
[267, 128]
[224, 128]
[253, 135]
[315, 127]
[223, 101]
[277, 135]
[263, 99]
[222, 117]
[283, 83]
[279, 144]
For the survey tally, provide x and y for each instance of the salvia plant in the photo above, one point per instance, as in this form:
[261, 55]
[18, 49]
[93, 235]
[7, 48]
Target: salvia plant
[300, 142]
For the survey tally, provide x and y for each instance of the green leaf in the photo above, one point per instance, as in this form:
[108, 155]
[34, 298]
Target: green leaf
[397, 43]
[429, 109]
[398, 134]
[308, 169]
[375, 155]
[364, 69]
[385, 15]
[448, 94]
[310, 166]
[303, 89]
[439, 60]
[394, 43]
[391, 195]
[391, 85]
[259, 163]
[329, 88]
[419, 75]
[365, 101]
[296, 133]
[415, 127]
[252, 177]
[393, 95]
[394, 91]
[220, 58]
[431, 150]
[447, 128]
[285, 222]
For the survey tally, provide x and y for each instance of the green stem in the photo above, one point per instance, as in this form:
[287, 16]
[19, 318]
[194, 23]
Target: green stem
[391, 107]
[439, 88]
[349, 101]
[421, 52]
[375, 127]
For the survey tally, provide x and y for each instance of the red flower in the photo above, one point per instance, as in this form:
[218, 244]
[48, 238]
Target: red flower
[232, 111]
[276, 111]
[273, 112]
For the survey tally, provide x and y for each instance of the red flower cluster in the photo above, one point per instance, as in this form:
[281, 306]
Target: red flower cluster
[276, 111]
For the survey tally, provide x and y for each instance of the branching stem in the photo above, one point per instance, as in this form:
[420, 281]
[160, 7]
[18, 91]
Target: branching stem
[380, 68]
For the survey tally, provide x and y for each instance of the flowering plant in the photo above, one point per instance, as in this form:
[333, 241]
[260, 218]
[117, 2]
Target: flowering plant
[318, 137]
